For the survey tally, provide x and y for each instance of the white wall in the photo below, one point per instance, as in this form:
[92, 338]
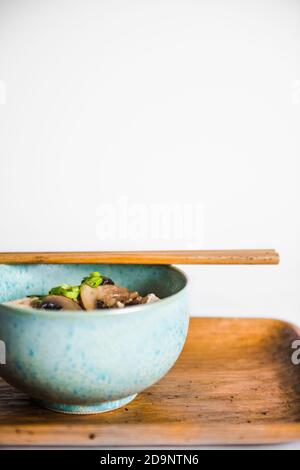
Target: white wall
[160, 102]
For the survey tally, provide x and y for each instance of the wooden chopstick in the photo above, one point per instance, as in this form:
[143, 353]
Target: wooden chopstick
[217, 257]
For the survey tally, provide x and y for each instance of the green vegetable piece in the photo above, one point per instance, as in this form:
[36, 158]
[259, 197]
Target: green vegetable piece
[71, 292]
[93, 280]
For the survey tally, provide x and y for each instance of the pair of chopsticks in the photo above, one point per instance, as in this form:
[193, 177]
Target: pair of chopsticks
[205, 257]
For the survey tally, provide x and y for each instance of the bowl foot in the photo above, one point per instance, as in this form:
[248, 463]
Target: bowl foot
[86, 409]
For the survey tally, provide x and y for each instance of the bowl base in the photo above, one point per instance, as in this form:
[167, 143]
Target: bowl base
[86, 409]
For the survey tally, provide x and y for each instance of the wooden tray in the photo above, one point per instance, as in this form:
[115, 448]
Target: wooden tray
[233, 384]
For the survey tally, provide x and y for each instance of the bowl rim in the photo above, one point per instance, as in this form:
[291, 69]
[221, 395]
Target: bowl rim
[98, 313]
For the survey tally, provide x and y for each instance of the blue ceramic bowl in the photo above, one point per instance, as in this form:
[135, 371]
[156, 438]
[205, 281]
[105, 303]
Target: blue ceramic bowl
[90, 362]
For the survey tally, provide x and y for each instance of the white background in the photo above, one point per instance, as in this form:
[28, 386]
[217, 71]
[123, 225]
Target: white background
[158, 102]
[185, 102]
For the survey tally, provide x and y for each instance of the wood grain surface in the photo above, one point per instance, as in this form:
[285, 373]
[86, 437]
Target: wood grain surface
[233, 384]
[146, 257]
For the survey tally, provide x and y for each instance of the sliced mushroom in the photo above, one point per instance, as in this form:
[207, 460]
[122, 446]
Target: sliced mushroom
[108, 296]
[59, 302]
[149, 299]
[26, 302]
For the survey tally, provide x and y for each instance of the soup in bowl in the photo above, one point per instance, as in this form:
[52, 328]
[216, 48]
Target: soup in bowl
[89, 361]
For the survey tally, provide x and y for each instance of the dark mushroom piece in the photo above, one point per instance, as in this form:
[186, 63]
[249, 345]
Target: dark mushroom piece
[58, 302]
[108, 296]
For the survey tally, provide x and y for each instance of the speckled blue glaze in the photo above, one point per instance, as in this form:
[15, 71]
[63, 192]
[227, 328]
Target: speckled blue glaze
[86, 409]
[79, 362]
